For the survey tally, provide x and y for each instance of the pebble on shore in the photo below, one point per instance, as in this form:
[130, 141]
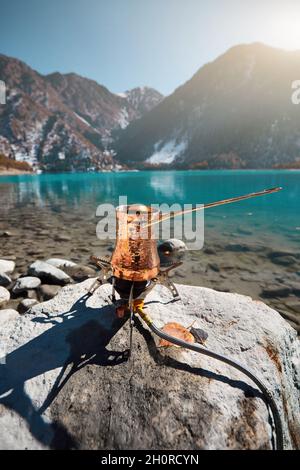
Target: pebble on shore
[4, 296]
[48, 273]
[60, 263]
[26, 283]
[5, 280]
[7, 266]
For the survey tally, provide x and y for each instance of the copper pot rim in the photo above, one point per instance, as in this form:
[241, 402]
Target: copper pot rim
[137, 207]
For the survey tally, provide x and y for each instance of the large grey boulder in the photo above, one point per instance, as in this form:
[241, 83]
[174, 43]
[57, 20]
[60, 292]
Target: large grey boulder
[8, 314]
[161, 398]
[48, 273]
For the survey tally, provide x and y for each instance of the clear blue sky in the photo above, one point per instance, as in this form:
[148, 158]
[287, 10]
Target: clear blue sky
[127, 43]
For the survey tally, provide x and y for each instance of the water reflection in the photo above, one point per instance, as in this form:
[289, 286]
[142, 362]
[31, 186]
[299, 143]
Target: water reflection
[84, 192]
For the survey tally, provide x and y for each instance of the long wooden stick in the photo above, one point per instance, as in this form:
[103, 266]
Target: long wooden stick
[167, 216]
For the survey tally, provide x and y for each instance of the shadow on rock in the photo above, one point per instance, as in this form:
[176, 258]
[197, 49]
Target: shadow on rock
[77, 338]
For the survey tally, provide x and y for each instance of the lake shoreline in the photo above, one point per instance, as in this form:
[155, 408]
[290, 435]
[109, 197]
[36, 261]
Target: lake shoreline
[270, 275]
[14, 172]
[251, 247]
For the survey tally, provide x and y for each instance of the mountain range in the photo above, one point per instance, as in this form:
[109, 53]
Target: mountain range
[235, 112]
[63, 122]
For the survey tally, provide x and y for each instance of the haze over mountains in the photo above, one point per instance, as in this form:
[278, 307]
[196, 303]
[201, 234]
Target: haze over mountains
[235, 112]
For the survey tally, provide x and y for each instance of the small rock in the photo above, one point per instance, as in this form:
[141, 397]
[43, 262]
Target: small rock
[62, 238]
[279, 254]
[60, 262]
[293, 305]
[238, 247]
[5, 234]
[32, 294]
[214, 267]
[4, 296]
[244, 231]
[227, 266]
[47, 272]
[284, 260]
[5, 280]
[47, 291]
[95, 243]
[85, 250]
[43, 233]
[276, 291]
[26, 304]
[35, 251]
[295, 287]
[222, 288]
[171, 251]
[197, 269]
[199, 335]
[7, 315]
[26, 283]
[175, 245]
[209, 251]
[80, 272]
[7, 266]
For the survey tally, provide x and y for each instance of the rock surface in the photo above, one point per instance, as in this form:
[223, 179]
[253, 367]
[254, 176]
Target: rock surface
[4, 296]
[7, 315]
[159, 399]
[48, 273]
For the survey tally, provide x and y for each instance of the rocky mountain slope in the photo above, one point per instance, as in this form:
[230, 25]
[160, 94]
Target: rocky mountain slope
[60, 122]
[66, 382]
[235, 112]
[143, 99]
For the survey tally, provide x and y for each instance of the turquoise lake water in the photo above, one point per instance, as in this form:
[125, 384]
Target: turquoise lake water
[82, 192]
